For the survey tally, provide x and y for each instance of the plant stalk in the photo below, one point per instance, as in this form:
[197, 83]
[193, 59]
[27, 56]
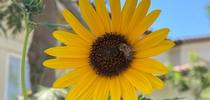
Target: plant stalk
[24, 54]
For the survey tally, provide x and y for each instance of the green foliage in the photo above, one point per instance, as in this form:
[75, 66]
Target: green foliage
[208, 9]
[176, 79]
[12, 17]
[141, 97]
[205, 94]
[195, 79]
[12, 14]
[176, 98]
[33, 6]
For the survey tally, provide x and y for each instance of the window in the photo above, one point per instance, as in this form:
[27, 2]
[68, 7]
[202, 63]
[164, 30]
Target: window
[14, 78]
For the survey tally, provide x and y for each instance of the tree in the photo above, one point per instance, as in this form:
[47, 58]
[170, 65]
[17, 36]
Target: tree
[41, 40]
[208, 9]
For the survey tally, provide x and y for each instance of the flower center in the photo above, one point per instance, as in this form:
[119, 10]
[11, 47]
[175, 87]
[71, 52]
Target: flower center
[110, 54]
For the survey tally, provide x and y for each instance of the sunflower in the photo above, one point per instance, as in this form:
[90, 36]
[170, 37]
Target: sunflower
[112, 57]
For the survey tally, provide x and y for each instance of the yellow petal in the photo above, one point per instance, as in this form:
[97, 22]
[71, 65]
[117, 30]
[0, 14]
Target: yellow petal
[63, 63]
[115, 90]
[67, 52]
[144, 25]
[128, 91]
[82, 86]
[70, 78]
[78, 27]
[88, 94]
[149, 66]
[139, 81]
[70, 39]
[156, 50]
[155, 81]
[91, 17]
[103, 14]
[104, 90]
[127, 14]
[97, 89]
[152, 39]
[115, 15]
[138, 15]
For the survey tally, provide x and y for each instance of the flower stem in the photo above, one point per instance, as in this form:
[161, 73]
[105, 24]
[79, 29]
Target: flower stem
[24, 54]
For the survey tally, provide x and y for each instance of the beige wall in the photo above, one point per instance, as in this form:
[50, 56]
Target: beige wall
[202, 48]
[180, 53]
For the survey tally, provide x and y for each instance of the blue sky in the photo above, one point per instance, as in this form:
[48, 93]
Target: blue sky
[185, 18]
